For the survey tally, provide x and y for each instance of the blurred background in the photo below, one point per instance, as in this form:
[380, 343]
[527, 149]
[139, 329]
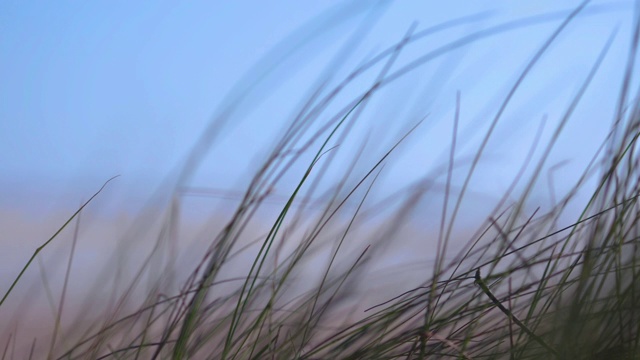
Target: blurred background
[186, 100]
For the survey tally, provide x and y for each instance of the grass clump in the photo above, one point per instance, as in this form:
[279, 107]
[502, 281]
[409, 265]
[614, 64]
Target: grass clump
[524, 285]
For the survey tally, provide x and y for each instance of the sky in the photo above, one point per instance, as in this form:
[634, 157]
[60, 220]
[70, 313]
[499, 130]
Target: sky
[95, 89]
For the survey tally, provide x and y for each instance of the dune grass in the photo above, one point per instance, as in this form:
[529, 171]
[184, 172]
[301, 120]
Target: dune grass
[523, 286]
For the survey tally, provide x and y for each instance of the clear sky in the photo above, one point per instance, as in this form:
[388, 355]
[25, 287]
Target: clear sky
[94, 89]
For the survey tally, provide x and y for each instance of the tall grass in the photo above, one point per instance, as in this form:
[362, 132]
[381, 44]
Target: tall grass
[525, 285]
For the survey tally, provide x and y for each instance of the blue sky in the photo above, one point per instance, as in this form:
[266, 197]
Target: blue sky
[96, 89]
